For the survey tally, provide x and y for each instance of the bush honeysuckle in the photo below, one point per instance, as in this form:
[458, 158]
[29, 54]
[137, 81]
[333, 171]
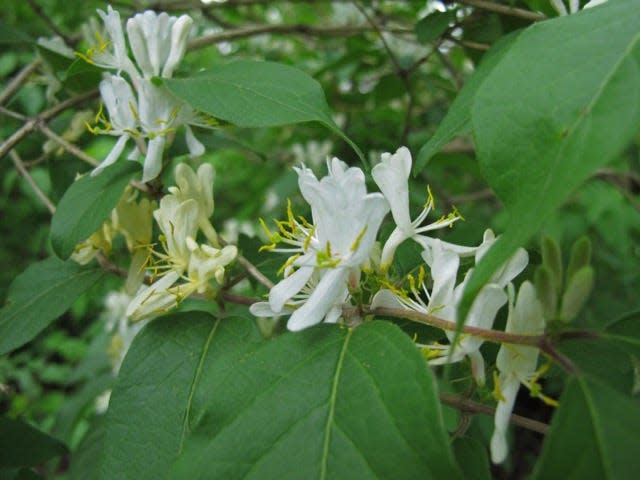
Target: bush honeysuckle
[179, 217]
[444, 298]
[516, 363]
[328, 254]
[392, 176]
[152, 113]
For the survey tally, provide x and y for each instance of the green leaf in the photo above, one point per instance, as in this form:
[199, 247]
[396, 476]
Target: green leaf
[39, 295]
[258, 94]
[433, 25]
[472, 458]
[86, 204]
[458, 119]
[545, 117]
[328, 402]
[160, 386]
[626, 332]
[85, 460]
[594, 435]
[602, 359]
[22, 445]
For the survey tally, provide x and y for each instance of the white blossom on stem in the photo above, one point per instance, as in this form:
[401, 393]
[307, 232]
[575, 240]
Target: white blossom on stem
[329, 253]
[392, 177]
[516, 363]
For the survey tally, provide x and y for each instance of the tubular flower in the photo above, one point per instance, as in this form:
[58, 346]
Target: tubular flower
[392, 176]
[444, 298]
[516, 363]
[158, 41]
[183, 267]
[152, 113]
[327, 255]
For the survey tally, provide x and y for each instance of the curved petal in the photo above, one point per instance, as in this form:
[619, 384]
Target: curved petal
[284, 290]
[392, 175]
[386, 299]
[329, 293]
[499, 448]
[153, 160]
[114, 154]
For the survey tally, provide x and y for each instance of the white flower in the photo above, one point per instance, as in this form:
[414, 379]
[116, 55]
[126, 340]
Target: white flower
[111, 52]
[329, 254]
[199, 187]
[392, 176]
[158, 41]
[444, 299]
[121, 105]
[516, 363]
[183, 267]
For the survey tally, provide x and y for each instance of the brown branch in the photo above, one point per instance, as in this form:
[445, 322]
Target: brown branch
[301, 29]
[19, 164]
[34, 123]
[68, 146]
[504, 10]
[469, 406]
[17, 81]
[254, 272]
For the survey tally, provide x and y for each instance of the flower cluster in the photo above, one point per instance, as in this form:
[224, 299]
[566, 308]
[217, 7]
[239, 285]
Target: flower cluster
[138, 108]
[329, 254]
[183, 266]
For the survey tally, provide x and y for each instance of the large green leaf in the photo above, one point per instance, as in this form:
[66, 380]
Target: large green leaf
[160, 379]
[257, 94]
[625, 332]
[458, 119]
[39, 295]
[594, 435]
[22, 445]
[328, 402]
[86, 204]
[563, 101]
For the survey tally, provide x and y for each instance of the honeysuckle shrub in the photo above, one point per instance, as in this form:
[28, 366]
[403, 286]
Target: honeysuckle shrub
[320, 240]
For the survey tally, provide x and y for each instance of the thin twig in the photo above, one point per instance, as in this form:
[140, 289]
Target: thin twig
[469, 44]
[47, 20]
[17, 81]
[504, 10]
[301, 29]
[68, 146]
[19, 164]
[33, 123]
[465, 405]
[254, 272]
[239, 299]
[495, 336]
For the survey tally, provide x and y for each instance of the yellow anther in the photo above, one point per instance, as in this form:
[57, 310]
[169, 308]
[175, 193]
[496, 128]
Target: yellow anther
[309, 237]
[431, 203]
[356, 243]
[497, 391]
[288, 263]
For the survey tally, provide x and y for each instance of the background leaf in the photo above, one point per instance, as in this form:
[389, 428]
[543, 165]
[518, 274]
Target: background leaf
[562, 102]
[458, 119]
[433, 25]
[39, 295]
[86, 204]
[21, 445]
[594, 434]
[257, 94]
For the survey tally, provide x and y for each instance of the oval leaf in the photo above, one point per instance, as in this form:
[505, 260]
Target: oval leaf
[329, 402]
[562, 102]
[257, 94]
[594, 435]
[22, 445]
[39, 295]
[86, 204]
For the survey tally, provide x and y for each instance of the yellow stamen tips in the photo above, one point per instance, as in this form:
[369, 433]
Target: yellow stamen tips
[304, 222]
[265, 229]
[356, 243]
[309, 237]
[497, 390]
[430, 353]
[414, 337]
[290, 217]
[288, 263]
[421, 276]
[412, 283]
[431, 203]
[456, 213]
